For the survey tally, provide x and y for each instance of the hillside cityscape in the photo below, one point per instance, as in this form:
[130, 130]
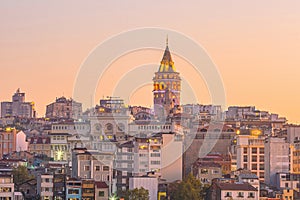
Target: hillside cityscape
[170, 151]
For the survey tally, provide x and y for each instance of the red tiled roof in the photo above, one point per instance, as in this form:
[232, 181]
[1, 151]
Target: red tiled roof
[100, 184]
[236, 186]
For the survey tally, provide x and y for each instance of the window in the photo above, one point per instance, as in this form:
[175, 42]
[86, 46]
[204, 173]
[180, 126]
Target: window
[261, 150]
[105, 168]
[261, 166]
[254, 166]
[155, 162]
[101, 193]
[155, 154]
[245, 159]
[254, 158]
[251, 195]
[86, 168]
[241, 194]
[254, 150]
[245, 150]
[97, 168]
[73, 191]
[262, 175]
[204, 171]
[261, 158]
[228, 194]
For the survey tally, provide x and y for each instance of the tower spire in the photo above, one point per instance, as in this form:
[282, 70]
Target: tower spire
[167, 40]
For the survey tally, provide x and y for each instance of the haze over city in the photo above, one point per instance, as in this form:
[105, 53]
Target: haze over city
[254, 44]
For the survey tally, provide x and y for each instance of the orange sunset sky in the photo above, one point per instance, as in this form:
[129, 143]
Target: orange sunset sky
[255, 45]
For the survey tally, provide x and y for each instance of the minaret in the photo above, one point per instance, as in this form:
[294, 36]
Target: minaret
[167, 86]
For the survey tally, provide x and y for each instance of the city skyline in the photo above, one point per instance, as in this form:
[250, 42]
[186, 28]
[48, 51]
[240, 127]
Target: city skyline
[253, 44]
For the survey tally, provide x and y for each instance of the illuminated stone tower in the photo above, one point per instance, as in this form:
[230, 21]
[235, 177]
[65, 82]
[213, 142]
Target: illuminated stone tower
[167, 85]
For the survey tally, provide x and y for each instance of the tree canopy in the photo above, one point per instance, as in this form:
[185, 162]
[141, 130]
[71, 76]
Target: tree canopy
[188, 189]
[136, 194]
[21, 174]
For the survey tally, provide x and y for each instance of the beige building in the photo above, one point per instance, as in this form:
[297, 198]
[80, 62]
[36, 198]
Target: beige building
[147, 154]
[172, 155]
[45, 186]
[60, 150]
[109, 124]
[71, 127]
[64, 108]
[101, 190]
[295, 157]
[93, 165]
[206, 172]
[250, 151]
[7, 141]
[229, 191]
[6, 187]
[39, 145]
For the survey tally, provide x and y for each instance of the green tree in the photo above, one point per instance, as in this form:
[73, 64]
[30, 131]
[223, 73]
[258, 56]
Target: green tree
[188, 189]
[21, 175]
[136, 194]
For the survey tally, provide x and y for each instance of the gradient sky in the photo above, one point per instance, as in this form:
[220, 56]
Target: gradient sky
[255, 45]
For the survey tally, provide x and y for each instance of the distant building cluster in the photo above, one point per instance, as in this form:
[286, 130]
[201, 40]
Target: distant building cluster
[240, 153]
[18, 107]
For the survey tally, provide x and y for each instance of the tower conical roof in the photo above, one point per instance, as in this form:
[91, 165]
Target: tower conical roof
[167, 55]
[167, 64]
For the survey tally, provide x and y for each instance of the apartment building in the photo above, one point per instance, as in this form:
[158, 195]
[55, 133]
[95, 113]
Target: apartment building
[7, 141]
[39, 145]
[18, 107]
[64, 108]
[251, 154]
[45, 186]
[93, 165]
[73, 189]
[6, 187]
[124, 164]
[147, 154]
[276, 158]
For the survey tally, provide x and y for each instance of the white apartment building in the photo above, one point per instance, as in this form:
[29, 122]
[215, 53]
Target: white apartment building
[148, 128]
[276, 158]
[172, 155]
[71, 127]
[147, 155]
[6, 187]
[124, 164]
[229, 191]
[148, 183]
[45, 186]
